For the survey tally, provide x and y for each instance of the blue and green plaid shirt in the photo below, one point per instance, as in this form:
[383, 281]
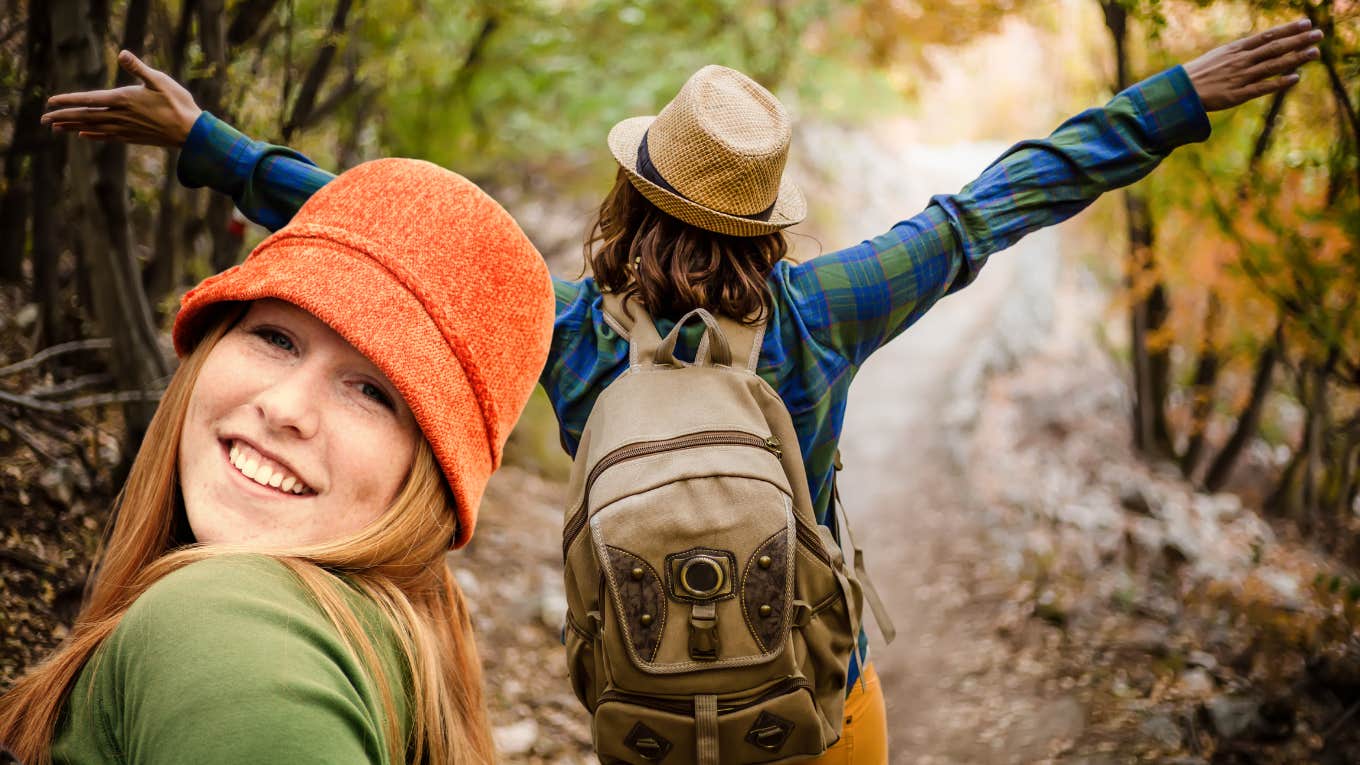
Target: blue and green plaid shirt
[830, 312]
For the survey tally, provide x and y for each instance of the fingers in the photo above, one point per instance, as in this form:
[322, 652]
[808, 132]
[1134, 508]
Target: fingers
[1284, 46]
[1266, 87]
[96, 98]
[73, 116]
[1275, 33]
[1281, 64]
[113, 132]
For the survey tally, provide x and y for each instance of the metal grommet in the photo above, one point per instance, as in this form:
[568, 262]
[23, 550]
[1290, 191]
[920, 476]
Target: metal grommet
[765, 610]
[765, 561]
[702, 576]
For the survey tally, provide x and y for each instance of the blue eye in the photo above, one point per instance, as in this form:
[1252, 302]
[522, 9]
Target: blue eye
[274, 338]
[377, 394]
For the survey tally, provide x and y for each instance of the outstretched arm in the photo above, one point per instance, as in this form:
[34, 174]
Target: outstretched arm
[269, 183]
[859, 298]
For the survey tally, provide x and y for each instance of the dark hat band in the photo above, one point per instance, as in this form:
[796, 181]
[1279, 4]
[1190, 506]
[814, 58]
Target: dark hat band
[647, 170]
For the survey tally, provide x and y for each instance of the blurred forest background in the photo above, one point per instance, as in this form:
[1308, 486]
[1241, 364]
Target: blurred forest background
[1230, 275]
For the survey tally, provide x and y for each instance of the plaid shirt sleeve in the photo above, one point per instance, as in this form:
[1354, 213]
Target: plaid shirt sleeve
[269, 183]
[855, 300]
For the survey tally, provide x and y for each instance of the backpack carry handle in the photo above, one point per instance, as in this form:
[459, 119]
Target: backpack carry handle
[718, 350]
[631, 321]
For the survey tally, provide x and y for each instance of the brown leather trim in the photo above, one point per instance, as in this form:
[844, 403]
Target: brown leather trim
[636, 597]
[766, 586]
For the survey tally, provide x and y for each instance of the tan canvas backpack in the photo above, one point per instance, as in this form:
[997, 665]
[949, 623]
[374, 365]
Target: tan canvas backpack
[710, 618]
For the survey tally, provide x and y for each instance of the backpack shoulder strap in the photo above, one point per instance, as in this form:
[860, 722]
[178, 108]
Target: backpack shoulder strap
[626, 318]
[634, 324]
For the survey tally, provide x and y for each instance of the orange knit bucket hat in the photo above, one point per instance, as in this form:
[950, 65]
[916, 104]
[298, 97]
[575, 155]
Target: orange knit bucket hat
[432, 280]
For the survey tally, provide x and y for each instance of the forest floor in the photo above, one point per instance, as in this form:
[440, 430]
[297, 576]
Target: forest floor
[1057, 599]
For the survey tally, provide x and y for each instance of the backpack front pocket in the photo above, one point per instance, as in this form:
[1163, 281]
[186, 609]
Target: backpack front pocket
[700, 591]
[770, 724]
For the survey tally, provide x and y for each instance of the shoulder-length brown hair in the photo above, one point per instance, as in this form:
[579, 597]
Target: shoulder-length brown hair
[397, 561]
[636, 250]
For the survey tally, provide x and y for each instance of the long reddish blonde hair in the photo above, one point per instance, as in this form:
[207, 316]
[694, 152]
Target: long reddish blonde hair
[397, 561]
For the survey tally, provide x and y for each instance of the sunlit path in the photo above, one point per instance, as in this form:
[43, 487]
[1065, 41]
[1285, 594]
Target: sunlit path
[909, 497]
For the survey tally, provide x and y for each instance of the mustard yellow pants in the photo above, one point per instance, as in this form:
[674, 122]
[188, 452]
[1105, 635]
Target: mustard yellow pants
[864, 739]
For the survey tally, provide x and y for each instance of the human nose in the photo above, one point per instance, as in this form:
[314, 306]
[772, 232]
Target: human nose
[289, 402]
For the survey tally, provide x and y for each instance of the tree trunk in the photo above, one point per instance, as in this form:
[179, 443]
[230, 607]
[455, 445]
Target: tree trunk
[165, 272]
[209, 91]
[1117, 21]
[1319, 418]
[1247, 422]
[1202, 390]
[100, 216]
[1151, 370]
[226, 246]
[1249, 419]
[45, 170]
[1287, 498]
[27, 137]
[349, 151]
[49, 161]
[1297, 495]
[1338, 485]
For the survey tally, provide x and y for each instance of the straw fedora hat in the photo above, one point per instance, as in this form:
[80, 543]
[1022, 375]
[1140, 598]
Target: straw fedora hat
[714, 157]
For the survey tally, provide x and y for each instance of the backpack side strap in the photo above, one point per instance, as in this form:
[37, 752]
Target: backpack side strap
[885, 623]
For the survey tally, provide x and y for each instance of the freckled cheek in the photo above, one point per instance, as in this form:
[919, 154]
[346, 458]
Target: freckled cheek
[197, 445]
[374, 475]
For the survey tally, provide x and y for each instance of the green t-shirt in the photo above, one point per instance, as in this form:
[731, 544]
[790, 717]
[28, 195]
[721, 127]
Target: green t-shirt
[230, 660]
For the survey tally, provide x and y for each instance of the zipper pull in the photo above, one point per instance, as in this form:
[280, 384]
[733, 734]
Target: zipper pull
[772, 444]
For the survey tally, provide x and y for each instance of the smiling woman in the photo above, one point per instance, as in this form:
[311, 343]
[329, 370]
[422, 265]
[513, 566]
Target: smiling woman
[273, 586]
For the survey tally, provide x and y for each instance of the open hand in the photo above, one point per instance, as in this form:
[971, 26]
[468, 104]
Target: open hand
[159, 112]
[1254, 66]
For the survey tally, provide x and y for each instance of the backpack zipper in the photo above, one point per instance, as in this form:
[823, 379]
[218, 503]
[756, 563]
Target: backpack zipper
[709, 438]
[686, 706]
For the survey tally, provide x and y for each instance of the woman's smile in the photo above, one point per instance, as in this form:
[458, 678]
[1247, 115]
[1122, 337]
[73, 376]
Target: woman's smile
[263, 471]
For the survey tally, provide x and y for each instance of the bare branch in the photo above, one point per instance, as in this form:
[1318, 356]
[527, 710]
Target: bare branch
[84, 402]
[28, 560]
[23, 435]
[475, 52]
[342, 92]
[71, 386]
[248, 20]
[311, 85]
[93, 344]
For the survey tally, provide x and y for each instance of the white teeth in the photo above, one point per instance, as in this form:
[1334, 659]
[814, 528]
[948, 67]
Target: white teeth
[255, 467]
